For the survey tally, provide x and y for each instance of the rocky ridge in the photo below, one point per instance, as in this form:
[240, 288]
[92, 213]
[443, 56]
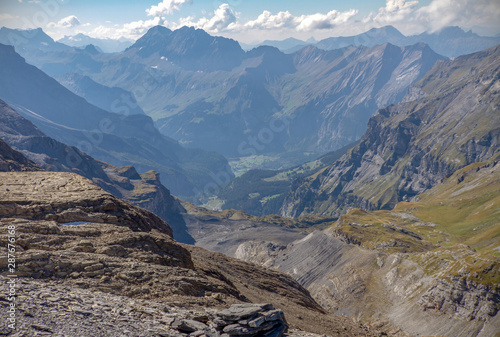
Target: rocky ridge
[12, 160]
[434, 260]
[126, 183]
[70, 233]
[69, 198]
[412, 146]
[49, 309]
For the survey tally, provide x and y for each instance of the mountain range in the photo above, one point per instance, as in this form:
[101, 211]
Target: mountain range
[237, 97]
[105, 45]
[448, 41]
[112, 137]
[449, 120]
[30, 40]
[196, 86]
[395, 224]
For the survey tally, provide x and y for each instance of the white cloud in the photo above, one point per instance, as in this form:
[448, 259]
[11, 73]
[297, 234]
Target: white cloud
[223, 18]
[397, 5]
[131, 30]
[67, 22]
[324, 21]
[465, 13]
[394, 11]
[166, 7]
[267, 20]
[6, 16]
[411, 18]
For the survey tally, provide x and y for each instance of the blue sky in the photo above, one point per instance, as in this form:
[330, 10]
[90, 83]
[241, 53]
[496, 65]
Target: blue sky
[248, 20]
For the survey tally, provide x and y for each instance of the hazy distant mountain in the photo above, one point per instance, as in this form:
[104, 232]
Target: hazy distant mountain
[110, 99]
[373, 37]
[30, 40]
[207, 93]
[450, 119]
[247, 46]
[190, 48]
[286, 44]
[118, 139]
[326, 96]
[52, 57]
[106, 45]
[449, 41]
[454, 41]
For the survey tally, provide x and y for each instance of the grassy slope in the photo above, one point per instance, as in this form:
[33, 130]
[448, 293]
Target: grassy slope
[261, 192]
[453, 229]
[460, 108]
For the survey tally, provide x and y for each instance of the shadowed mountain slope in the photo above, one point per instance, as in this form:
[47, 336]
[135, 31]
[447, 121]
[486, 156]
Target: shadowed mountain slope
[74, 234]
[117, 139]
[450, 119]
[143, 190]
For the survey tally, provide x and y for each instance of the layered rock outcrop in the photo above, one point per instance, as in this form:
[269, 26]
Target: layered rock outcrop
[12, 160]
[68, 197]
[412, 146]
[70, 234]
[144, 190]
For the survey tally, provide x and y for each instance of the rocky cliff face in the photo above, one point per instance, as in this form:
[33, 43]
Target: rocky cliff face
[12, 160]
[434, 260]
[71, 234]
[145, 191]
[410, 147]
[68, 198]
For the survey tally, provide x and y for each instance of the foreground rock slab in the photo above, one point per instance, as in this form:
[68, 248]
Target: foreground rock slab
[49, 309]
[78, 247]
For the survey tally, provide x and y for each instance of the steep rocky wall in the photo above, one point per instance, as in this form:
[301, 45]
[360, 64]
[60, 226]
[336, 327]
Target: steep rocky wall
[411, 146]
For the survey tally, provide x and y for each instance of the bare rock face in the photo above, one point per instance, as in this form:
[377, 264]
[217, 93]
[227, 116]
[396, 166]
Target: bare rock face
[11, 160]
[71, 235]
[110, 258]
[67, 197]
[462, 298]
[410, 147]
[48, 308]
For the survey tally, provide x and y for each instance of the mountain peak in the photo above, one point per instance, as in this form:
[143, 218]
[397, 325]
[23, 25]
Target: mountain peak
[190, 48]
[387, 30]
[455, 32]
[29, 39]
[91, 49]
[158, 29]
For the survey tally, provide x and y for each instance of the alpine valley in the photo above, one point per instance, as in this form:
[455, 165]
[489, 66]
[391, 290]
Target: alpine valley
[180, 185]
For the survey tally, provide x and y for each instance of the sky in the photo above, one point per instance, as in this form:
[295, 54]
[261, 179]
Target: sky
[249, 21]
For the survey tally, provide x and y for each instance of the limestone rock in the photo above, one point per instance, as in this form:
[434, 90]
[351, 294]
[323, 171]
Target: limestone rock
[67, 197]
